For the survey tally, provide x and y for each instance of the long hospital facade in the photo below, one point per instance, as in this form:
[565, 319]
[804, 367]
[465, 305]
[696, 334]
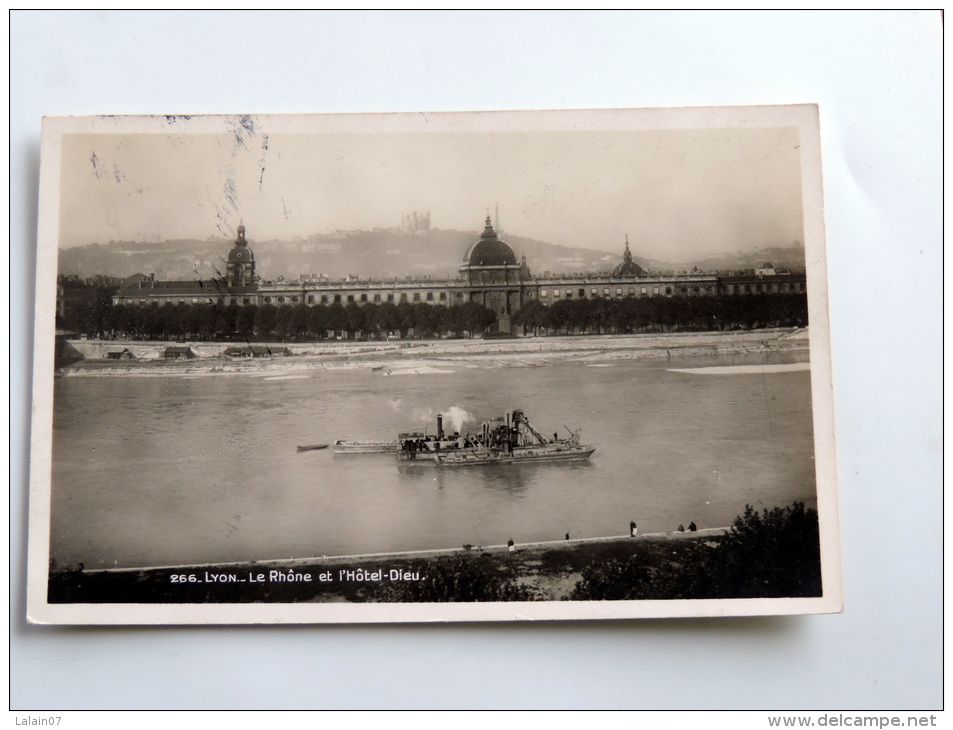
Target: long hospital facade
[489, 274]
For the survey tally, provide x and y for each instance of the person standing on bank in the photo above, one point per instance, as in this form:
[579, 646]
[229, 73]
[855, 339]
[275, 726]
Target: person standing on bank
[633, 529]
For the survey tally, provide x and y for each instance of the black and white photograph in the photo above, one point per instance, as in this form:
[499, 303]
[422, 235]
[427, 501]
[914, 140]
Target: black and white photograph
[403, 367]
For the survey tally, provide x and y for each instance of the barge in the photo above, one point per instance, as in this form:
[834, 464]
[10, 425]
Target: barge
[510, 439]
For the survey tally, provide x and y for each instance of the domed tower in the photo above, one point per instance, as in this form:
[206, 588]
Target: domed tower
[493, 275]
[489, 251]
[240, 270]
[628, 267]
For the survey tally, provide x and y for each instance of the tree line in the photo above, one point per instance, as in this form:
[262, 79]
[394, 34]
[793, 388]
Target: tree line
[96, 317]
[665, 314]
[284, 322]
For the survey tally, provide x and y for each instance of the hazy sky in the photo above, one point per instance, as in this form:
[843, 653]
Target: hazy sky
[678, 194]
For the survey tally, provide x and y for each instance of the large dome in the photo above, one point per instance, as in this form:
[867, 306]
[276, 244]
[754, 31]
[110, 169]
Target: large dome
[490, 250]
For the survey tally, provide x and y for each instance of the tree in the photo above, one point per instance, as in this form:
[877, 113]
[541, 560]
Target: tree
[207, 318]
[265, 320]
[370, 327]
[245, 320]
[423, 319]
[387, 318]
[533, 314]
[405, 313]
[559, 314]
[476, 318]
[227, 320]
[356, 321]
[440, 318]
[772, 554]
[580, 315]
[318, 321]
[599, 314]
[337, 318]
[299, 321]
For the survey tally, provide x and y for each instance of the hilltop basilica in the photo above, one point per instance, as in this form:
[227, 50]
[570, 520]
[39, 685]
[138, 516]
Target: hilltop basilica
[489, 275]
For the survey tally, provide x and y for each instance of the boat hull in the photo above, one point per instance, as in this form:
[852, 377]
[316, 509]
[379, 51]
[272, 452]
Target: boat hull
[312, 447]
[366, 447]
[527, 456]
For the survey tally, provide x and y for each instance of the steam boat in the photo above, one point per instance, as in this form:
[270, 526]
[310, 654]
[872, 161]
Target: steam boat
[511, 439]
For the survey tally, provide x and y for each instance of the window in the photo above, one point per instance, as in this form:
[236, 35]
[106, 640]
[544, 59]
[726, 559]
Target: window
[555, 293]
[618, 292]
[459, 295]
[246, 300]
[281, 300]
[416, 296]
[295, 299]
[569, 294]
[311, 299]
[377, 297]
[324, 299]
[606, 292]
[363, 297]
[631, 291]
[403, 296]
[646, 291]
[390, 297]
[350, 297]
[233, 300]
[582, 292]
[337, 298]
[267, 300]
[430, 296]
[684, 290]
[696, 290]
[655, 290]
[668, 290]
[443, 296]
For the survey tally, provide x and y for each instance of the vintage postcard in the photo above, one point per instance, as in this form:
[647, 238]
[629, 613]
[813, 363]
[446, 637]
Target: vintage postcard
[432, 367]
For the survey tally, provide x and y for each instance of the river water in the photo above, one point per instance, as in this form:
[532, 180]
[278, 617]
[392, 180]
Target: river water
[179, 470]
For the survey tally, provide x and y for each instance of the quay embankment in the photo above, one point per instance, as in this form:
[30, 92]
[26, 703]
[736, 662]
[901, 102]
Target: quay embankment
[549, 571]
[421, 356]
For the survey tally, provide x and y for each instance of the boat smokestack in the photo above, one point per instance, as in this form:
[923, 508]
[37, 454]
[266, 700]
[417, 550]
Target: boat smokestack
[439, 426]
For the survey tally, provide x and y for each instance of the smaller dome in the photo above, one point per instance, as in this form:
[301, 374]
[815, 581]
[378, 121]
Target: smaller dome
[241, 254]
[628, 267]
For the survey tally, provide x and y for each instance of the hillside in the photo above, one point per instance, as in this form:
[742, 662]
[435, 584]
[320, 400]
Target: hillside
[380, 253]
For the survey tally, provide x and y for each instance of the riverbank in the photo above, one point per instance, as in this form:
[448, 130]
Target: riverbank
[430, 356]
[548, 571]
